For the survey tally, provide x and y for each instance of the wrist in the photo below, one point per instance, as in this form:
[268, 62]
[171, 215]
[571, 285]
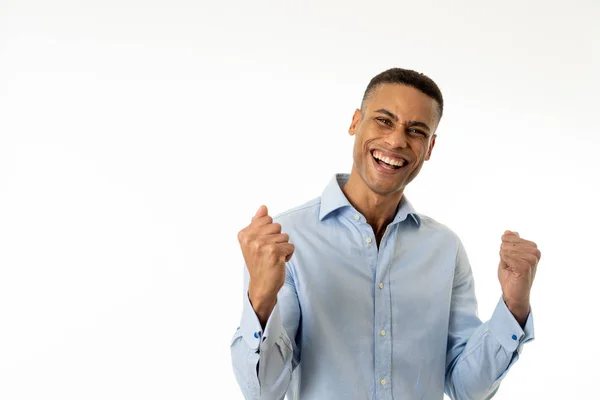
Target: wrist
[262, 303]
[519, 309]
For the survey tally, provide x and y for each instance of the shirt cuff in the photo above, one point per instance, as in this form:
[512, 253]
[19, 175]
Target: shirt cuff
[505, 328]
[252, 330]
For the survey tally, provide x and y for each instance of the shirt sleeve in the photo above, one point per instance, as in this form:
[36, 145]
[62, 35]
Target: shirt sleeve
[263, 361]
[479, 354]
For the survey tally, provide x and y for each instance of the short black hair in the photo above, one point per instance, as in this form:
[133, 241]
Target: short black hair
[408, 77]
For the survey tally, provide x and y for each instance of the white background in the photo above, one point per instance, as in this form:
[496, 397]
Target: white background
[138, 137]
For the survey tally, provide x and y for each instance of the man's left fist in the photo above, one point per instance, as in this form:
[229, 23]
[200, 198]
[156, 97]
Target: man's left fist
[518, 264]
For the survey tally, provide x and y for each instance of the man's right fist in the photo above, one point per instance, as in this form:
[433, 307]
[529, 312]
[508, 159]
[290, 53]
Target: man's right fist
[265, 250]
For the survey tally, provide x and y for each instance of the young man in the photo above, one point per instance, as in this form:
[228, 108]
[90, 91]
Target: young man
[354, 295]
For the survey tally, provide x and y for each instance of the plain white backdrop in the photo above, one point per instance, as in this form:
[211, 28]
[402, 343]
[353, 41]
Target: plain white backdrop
[138, 137]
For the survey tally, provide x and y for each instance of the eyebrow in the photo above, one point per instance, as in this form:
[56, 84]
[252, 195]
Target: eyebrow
[408, 123]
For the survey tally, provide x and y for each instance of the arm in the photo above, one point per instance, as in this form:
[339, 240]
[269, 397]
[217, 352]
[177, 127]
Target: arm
[479, 355]
[263, 360]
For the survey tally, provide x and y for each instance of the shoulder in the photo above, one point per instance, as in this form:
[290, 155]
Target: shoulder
[445, 239]
[437, 230]
[303, 215]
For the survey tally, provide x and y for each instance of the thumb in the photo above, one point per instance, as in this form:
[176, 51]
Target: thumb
[511, 232]
[262, 211]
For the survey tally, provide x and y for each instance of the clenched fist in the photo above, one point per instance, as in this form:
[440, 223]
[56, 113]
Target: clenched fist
[518, 264]
[265, 250]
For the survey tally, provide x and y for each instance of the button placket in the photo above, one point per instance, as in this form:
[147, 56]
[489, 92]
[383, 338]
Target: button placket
[383, 341]
[383, 321]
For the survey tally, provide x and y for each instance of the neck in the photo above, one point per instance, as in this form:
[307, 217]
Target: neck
[378, 209]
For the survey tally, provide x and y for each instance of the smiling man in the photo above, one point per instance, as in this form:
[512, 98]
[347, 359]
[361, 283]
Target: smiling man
[355, 295]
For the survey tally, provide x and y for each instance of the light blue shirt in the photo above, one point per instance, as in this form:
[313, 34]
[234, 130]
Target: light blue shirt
[354, 321]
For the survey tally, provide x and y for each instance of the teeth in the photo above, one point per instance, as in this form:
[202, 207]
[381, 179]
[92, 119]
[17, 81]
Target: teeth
[397, 163]
[392, 162]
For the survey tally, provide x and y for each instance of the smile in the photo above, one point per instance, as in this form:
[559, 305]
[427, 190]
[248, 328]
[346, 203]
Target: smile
[387, 162]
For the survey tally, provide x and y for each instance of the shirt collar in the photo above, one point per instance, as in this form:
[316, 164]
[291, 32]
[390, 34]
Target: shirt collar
[334, 199]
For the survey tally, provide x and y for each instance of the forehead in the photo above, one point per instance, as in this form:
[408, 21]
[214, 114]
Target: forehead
[405, 101]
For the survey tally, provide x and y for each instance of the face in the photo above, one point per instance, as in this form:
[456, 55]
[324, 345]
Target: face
[393, 136]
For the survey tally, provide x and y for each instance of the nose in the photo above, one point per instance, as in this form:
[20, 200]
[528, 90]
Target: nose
[397, 138]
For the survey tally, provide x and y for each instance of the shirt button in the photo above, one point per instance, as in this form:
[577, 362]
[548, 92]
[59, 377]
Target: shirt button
[382, 332]
[383, 381]
[357, 217]
[369, 240]
[380, 285]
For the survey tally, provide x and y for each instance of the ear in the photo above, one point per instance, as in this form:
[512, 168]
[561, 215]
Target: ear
[356, 118]
[431, 144]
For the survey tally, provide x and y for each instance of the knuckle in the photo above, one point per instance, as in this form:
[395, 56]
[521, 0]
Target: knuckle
[277, 227]
[256, 245]
[534, 260]
[271, 248]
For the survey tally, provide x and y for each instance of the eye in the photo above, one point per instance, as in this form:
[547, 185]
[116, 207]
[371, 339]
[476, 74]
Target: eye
[385, 121]
[417, 131]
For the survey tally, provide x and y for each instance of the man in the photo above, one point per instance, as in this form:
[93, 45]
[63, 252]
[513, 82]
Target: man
[355, 295]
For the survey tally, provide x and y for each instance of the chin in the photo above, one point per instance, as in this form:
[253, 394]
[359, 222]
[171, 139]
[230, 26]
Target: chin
[384, 188]
[385, 191]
